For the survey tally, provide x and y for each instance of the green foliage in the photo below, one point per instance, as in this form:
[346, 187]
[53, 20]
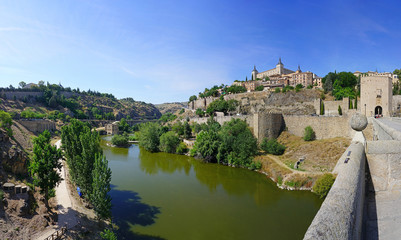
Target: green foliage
[356, 103]
[350, 103]
[1, 195]
[149, 136]
[6, 122]
[192, 98]
[29, 114]
[321, 108]
[44, 164]
[236, 89]
[178, 128]
[277, 90]
[181, 148]
[123, 126]
[255, 165]
[167, 117]
[342, 84]
[108, 235]
[322, 96]
[169, 142]
[80, 145]
[259, 88]
[187, 130]
[207, 144]
[340, 111]
[309, 134]
[181, 111]
[272, 146]
[101, 178]
[287, 88]
[200, 112]
[309, 87]
[221, 105]
[120, 140]
[323, 185]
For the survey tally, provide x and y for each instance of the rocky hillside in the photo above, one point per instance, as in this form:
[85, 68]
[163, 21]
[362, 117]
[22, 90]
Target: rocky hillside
[171, 107]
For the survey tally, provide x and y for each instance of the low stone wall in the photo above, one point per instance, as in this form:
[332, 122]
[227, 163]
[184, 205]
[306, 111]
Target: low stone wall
[324, 127]
[341, 214]
[38, 126]
[383, 132]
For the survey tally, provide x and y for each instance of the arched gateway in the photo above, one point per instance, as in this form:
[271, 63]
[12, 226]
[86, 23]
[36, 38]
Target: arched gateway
[378, 110]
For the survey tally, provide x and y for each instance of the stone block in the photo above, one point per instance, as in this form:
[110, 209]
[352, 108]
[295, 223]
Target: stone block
[383, 147]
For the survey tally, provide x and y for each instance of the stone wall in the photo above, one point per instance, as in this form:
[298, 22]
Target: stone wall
[331, 107]
[341, 214]
[20, 95]
[324, 127]
[38, 126]
[381, 131]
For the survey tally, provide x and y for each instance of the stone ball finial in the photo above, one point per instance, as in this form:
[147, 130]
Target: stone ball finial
[358, 122]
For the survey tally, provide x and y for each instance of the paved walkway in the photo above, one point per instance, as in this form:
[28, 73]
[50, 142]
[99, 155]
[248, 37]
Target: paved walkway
[66, 215]
[383, 220]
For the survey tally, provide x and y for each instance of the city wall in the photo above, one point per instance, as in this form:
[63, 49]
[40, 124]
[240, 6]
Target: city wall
[20, 95]
[331, 107]
[38, 125]
[324, 127]
[341, 214]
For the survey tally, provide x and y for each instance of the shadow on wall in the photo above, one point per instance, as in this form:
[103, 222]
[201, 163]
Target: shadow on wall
[128, 210]
[370, 227]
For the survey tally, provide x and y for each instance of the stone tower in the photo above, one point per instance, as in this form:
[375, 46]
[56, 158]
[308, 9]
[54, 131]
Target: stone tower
[254, 73]
[376, 95]
[280, 67]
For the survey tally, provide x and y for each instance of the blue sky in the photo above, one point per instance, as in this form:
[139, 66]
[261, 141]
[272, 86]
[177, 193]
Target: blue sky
[165, 51]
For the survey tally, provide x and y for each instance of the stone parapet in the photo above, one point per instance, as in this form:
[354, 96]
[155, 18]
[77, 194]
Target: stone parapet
[341, 214]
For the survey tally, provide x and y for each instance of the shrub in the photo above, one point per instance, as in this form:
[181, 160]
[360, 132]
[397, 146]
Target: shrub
[309, 134]
[120, 140]
[340, 111]
[200, 112]
[271, 146]
[323, 185]
[169, 142]
[181, 148]
[321, 108]
[259, 88]
[277, 90]
[255, 165]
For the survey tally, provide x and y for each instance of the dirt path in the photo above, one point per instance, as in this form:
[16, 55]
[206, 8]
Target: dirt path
[66, 215]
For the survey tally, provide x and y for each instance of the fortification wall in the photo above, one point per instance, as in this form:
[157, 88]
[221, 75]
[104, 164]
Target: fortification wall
[38, 126]
[20, 95]
[331, 107]
[341, 214]
[324, 127]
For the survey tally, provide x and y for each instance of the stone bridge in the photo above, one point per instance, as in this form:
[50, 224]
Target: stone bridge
[365, 199]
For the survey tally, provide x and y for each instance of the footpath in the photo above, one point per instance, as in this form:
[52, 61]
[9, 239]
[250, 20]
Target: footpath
[66, 215]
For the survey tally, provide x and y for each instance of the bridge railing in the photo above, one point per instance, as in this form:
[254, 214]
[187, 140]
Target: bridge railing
[57, 234]
[341, 214]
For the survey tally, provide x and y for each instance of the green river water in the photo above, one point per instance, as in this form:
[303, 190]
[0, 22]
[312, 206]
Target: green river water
[168, 196]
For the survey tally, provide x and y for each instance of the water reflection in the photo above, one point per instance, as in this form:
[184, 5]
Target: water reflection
[131, 211]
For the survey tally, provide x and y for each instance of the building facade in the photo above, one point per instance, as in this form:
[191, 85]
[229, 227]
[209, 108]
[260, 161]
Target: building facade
[376, 95]
[394, 77]
[112, 128]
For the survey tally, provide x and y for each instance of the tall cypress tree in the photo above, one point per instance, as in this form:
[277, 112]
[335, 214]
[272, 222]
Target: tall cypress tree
[100, 187]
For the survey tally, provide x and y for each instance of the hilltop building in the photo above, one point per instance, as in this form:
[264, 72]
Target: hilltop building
[394, 77]
[112, 128]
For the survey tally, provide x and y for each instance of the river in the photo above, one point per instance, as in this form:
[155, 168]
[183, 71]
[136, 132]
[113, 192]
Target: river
[168, 196]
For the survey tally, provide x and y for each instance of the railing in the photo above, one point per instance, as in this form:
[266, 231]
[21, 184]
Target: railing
[58, 234]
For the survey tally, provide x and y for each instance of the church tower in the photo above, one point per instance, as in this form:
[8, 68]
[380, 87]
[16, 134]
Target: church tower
[280, 67]
[254, 73]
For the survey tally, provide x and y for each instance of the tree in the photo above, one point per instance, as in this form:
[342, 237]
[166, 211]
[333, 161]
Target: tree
[350, 103]
[192, 98]
[169, 142]
[323, 185]
[45, 164]
[123, 126]
[277, 90]
[149, 136]
[119, 140]
[207, 144]
[200, 112]
[108, 235]
[187, 130]
[272, 146]
[356, 103]
[259, 88]
[340, 111]
[321, 108]
[309, 134]
[101, 177]
[22, 84]
[6, 122]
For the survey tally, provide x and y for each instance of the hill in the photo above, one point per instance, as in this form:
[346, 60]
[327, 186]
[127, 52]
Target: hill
[171, 107]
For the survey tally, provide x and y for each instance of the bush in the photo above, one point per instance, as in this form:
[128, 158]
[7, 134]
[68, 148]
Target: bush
[277, 90]
[169, 142]
[323, 185]
[271, 146]
[259, 88]
[340, 111]
[200, 112]
[255, 166]
[309, 134]
[120, 140]
[181, 148]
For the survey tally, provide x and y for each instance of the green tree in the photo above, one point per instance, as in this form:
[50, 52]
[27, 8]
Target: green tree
[207, 144]
[6, 122]
[321, 108]
[192, 98]
[45, 164]
[187, 130]
[22, 84]
[123, 126]
[149, 136]
[108, 235]
[356, 103]
[277, 90]
[323, 185]
[101, 177]
[259, 88]
[309, 134]
[169, 142]
[340, 111]
[272, 146]
[120, 140]
[200, 112]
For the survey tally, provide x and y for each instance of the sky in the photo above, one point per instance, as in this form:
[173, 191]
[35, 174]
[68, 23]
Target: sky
[165, 51]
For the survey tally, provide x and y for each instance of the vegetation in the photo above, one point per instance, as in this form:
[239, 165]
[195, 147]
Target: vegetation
[321, 108]
[272, 146]
[342, 84]
[120, 140]
[221, 105]
[340, 111]
[45, 164]
[108, 235]
[235, 89]
[101, 178]
[123, 126]
[200, 112]
[323, 185]
[169, 142]
[259, 88]
[149, 136]
[298, 87]
[231, 144]
[192, 98]
[309, 134]
[277, 90]
[168, 117]
[6, 122]
[88, 167]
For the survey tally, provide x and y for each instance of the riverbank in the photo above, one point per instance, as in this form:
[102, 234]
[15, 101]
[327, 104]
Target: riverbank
[315, 159]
